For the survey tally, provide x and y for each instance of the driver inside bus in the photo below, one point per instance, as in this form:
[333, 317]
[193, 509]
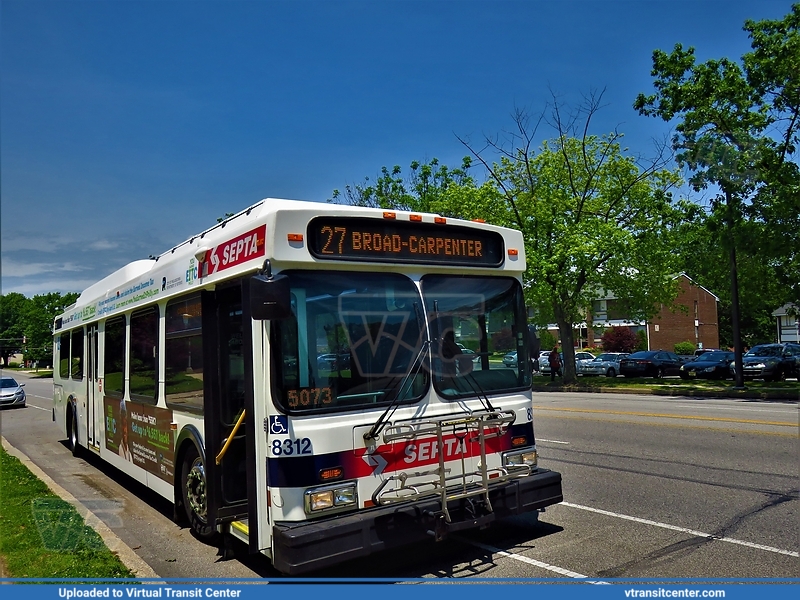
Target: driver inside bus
[454, 361]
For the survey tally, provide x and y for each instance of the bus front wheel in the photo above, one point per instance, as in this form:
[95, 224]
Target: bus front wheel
[193, 493]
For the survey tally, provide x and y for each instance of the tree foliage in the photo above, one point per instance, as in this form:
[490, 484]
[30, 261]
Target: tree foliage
[428, 187]
[705, 260]
[595, 219]
[12, 324]
[619, 339]
[26, 324]
[737, 128]
[684, 348]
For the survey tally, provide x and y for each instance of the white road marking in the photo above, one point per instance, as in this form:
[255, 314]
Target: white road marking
[531, 561]
[551, 441]
[39, 407]
[681, 529]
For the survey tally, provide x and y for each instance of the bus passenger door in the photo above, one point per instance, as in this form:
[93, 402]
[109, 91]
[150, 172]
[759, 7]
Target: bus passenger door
[227, 351]
[94, 413]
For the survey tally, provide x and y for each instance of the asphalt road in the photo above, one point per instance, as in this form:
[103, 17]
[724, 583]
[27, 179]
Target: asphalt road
[653, 487]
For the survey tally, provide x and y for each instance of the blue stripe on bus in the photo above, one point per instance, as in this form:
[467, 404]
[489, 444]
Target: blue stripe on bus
[304, 471]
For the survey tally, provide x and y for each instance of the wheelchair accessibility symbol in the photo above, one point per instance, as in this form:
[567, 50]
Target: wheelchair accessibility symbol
[279, 425]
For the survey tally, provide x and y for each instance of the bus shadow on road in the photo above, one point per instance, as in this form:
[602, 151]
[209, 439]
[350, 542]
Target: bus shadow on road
[458, 556]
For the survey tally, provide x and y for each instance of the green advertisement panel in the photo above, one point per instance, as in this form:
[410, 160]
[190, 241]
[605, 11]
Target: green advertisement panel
[142, 434]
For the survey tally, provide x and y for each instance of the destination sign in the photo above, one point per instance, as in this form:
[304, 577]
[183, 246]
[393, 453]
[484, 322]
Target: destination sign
[385, 240]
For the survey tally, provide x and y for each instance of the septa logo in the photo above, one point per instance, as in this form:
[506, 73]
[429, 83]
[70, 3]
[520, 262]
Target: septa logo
[422, 452]
[238, 250]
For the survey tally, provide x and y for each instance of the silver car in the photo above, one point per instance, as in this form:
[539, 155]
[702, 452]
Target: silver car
[605, 364]
[11, 392]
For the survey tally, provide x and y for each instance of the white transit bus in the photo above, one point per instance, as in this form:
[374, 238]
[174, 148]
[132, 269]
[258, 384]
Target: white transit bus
[321, 382]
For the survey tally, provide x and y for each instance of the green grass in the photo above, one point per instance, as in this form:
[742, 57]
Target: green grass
[676, 386]
[41, 535]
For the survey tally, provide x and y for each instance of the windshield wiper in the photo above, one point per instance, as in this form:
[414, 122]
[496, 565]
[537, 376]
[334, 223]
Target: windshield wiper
[413, 371]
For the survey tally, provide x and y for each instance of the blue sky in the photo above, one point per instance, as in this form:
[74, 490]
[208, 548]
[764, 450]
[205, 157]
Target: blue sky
[128, 126]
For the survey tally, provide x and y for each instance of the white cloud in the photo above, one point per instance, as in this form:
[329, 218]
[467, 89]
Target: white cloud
[40, 242]
[103, 245]
[47, 285]
[13, 268]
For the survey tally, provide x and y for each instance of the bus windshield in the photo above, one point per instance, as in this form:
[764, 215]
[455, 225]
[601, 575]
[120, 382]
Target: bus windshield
[351, 342]
[354, 338]
[486, 318]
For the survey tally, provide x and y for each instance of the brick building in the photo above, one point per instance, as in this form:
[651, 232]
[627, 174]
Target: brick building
[693, 318]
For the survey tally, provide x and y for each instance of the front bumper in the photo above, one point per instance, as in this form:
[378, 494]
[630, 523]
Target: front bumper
[307, 546]
[12, 400]
[592, 371]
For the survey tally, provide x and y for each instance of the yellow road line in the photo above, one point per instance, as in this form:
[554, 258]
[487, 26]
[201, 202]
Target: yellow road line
[668, 416]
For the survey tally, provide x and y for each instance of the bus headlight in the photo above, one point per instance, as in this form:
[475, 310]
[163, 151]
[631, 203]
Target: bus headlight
[523, 457]
[330, 498]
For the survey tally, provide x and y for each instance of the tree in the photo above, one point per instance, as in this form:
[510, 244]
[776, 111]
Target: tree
[619, 339]
[594, 218]
[547, 340]
[12, 325]
[737, 132]
[39, 314]
[423, 190]
[705, 260]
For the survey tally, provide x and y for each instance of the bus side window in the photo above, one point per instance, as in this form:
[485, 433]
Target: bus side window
[143, 357]
[183, 354]
[77, 354]
[114, 357]
[63, 356]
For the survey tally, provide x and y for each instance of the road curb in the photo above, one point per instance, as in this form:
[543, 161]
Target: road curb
[125, 553]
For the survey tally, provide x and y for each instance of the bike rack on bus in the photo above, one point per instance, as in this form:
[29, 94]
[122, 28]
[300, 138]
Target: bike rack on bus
[477, 426]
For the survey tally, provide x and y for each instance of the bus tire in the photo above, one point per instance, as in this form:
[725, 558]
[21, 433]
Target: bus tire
[193, 493]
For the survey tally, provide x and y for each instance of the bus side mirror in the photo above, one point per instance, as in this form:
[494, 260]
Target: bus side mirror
[270, 299]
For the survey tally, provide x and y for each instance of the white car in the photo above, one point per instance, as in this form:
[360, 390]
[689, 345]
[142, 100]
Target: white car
[543, 361]
[544, 364]
[605, 364]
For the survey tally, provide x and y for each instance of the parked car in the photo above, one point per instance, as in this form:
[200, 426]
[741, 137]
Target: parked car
[465, 350]
[771, 362]
[11, 392]
[543, 361]
[544, 364]
[605, 364]
[709, 365]
[650, 363]
[510, 360]
[700, 351]
[333, 362]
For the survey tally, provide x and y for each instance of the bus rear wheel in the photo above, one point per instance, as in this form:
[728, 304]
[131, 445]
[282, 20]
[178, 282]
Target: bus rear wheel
[193, 493]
